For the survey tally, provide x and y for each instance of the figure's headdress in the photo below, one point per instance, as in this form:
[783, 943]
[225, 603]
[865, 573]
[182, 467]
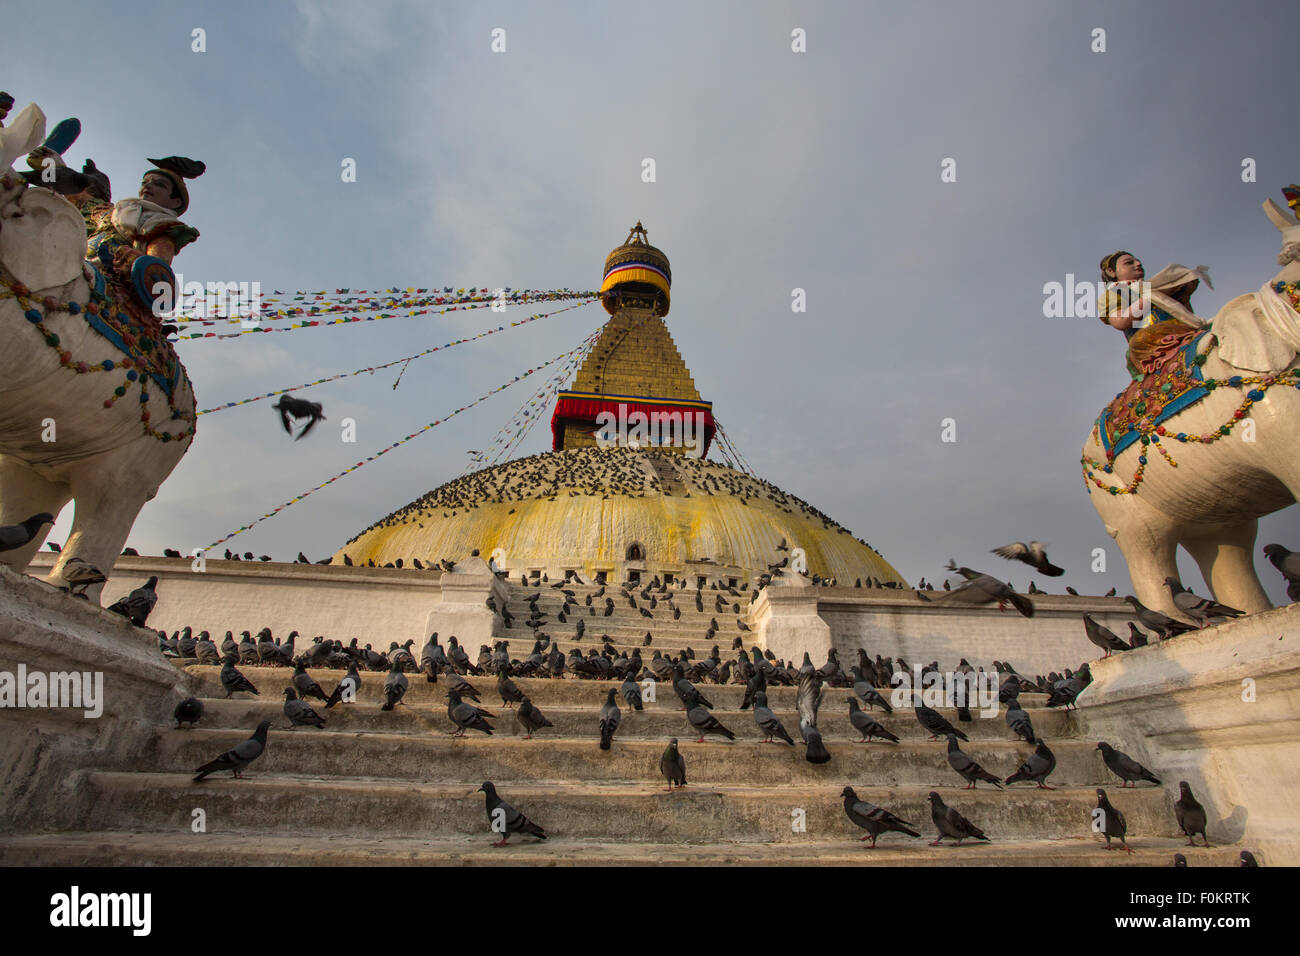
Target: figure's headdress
[178, 169]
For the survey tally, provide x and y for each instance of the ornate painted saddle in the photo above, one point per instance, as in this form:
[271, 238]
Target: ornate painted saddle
[1158, 397]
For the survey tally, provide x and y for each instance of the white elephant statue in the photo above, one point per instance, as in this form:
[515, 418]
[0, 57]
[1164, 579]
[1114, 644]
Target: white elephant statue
[1235, 448]
[80, 418]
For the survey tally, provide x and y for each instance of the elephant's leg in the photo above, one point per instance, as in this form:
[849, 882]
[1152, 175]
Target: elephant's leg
[1149, 541]
[24, 493]
[107, 505]
[1225, 556]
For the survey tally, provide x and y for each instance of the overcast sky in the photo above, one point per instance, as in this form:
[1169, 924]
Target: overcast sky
[775, 170]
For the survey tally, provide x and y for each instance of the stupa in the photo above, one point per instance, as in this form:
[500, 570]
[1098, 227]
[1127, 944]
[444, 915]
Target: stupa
[626, 490]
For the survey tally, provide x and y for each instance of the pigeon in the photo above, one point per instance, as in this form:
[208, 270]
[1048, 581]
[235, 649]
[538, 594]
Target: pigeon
[1037, 766]
[232, 680]
[466, 716]
[768, 721]
[867, 725]
[505, 819]
[1190, 814]
[1166, 627]
[1104, 638]
[137, 605]
[1019, 722]
[1031, 554]
[1109, 821]
[530, 718]
[433, 659]
[1247, 859]
[299, 712]
[870, 696]
[395, 686]
[306, 686]
[933, 722]
[673, 766]
[461, 686]
[236, 759]
[290, 407]
[610, 716]
[1124, 766]
[81, 574]
[807, 702]
[1136, 637]
[705, 723]
[508, 689]
[1180, 860]
[1199, 608]
[189, 711]
[1064, 692]
[1287, 562]
[14, 536]
[970, 771]
[950, 823]
[347, 689]
[631, 692]
[981, 589]
[875, 820]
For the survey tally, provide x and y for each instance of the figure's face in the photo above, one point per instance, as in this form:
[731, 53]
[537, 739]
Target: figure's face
[157, 189]
[1128, 268]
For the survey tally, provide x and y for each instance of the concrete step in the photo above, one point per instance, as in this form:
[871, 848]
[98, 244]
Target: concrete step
[438, 756]
[637, 811]
[566, 691]
[111, 848]
[659, 721]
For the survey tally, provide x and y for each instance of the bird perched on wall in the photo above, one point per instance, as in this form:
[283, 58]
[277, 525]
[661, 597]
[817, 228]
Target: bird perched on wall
[299, 712]
[1019, 721]
[875, 820]
[395, 687]
[950, 823]
[867, 725]
[934, 723]
[238, 757]
[1109, 821]
[14, 536]
[347, 689]
[189, 711]
[306, 685]
[530, 718]
[1247, 859]
[1032, 554]
[1190, 814]
[1136, 637]
[296, 408]
[1124, 766]
[767, 721]
[610, 717]
[1198, 608]
[1037, 766]
[1287, 562]
[467, 716]
[233, 680]
[965, 765]
[81, 574]
[1163, 625]
[505, 819]
[807, 702]
[137, 605]
[1103, 637]
[673, 766]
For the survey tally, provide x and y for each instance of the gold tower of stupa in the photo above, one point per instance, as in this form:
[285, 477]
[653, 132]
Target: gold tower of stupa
[620, 507]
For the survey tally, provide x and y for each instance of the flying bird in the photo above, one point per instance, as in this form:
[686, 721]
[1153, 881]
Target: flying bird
[1032, 554]
[979, 589]
[295, 408]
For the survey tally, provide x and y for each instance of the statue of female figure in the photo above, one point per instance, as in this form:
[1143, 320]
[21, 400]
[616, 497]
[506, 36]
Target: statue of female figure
[1156, 316]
